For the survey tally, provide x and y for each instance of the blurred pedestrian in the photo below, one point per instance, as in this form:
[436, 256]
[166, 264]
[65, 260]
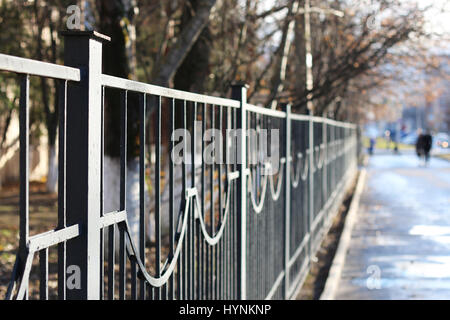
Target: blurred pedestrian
[427, 145]
[423, 146]
[372, 145]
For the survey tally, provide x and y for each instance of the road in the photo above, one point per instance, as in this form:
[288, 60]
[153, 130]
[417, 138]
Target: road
[400, 245]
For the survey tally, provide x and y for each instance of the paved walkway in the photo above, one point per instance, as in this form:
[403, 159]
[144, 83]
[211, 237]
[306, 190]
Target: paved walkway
[400, 245]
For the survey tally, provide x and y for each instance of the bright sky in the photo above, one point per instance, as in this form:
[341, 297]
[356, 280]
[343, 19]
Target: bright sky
[437, 16]
[438, 21]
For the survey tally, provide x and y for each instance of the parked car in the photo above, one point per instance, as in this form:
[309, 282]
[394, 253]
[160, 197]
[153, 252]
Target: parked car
[442, 140]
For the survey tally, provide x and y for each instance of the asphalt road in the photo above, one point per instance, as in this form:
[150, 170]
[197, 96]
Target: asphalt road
[400, 245]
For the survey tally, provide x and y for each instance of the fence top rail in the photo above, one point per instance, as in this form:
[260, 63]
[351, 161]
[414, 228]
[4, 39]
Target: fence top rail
[265, 111]
[135, 86]
[339, 123]
[305, 117]
[38, 68]
[299, 117]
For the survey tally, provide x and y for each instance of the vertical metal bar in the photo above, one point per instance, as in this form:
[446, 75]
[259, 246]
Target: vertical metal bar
[24, 136]
[195, 227]
[150, 294]
[43, 268]
[142, 212]
[171, 198]
[199, 263]
[123, 149]
[111, 261]
[239, 92]
[219, 263]
[123, 191]
[235, 226]
[62, 188]
[158, 195]
[324, 165]
[102, 199]
[102, 266]
[204, 248]
[211, 212]
[133, 280]
[232, 244]
[207, 247]
[122, 264]
[225, 240]
[311, 184]
[287, 214]
[186, 245]
[180, 257]
[24, 115]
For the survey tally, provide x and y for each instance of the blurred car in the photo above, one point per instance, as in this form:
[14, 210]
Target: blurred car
[441, 140]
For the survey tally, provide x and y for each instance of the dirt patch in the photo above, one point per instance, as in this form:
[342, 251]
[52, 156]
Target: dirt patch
[318, 274]
[43, 207]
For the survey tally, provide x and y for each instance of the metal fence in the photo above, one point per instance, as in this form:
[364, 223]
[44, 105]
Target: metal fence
[234, 232]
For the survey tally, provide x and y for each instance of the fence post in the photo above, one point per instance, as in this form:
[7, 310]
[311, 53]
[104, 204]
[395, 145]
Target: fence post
[288, 162]
[325, 165]
[239, 92]
[83, 50]
[311, 185]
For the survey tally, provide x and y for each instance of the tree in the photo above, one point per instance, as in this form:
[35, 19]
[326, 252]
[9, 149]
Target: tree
[164, 72]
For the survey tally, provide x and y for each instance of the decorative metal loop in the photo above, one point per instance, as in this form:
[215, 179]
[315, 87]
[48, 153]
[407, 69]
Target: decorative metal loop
[257, 207]
[297, 175]
[170, 267]
[276, 193]
[306, 166]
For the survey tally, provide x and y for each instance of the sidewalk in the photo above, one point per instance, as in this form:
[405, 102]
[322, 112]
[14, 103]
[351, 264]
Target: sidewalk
[400, 244]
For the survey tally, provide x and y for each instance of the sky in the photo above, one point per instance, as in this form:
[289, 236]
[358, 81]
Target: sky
[437, 21]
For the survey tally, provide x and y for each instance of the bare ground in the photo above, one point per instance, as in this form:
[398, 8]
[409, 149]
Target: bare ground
[318, 274]
[43, 217]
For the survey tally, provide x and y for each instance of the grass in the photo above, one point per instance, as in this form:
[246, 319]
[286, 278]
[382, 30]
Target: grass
[382, 143]
[444, 156]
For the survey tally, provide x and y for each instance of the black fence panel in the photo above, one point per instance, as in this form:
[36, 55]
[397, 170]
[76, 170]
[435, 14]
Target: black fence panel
[231, 200]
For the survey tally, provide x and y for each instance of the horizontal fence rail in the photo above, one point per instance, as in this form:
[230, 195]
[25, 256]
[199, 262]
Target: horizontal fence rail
[237, 229]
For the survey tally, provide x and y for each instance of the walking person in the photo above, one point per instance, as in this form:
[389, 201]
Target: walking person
[419, 145]
[427, 145]
[423, 146]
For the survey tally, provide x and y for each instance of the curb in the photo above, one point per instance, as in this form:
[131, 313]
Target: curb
[335, 272]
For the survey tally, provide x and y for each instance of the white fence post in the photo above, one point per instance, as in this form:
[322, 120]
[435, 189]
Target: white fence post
[239, 92]
[287, 201]
[311, 186]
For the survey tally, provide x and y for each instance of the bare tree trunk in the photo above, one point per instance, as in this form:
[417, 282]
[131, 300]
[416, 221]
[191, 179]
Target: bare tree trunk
[169, 65]
[194, 70]
[118, 57]
[50, 116]
[283, 54]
